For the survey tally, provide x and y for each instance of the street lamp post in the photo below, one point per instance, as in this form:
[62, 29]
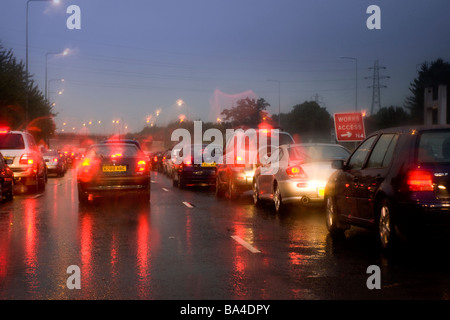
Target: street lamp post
[356, 80]
[279, 100]
[64, 53]
[26, 58]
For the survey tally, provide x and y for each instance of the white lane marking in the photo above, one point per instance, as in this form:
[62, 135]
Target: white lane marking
[245, 244]
[37, 196]
[165, 189]
[187, 204]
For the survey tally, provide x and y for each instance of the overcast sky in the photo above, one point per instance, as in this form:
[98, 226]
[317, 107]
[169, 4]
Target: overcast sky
[132, 58]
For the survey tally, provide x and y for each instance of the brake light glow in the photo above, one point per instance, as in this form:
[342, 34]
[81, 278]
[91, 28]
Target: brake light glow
[86, 162]
[26, 159]
[4, 130]
[141, 165]
[296, 172]
[419, 180]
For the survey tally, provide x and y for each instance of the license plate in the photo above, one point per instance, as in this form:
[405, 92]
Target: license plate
[114, 168]
[208, 164]
[8, 160]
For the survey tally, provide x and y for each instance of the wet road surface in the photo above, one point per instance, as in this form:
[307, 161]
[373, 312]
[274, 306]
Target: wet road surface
[187, 244]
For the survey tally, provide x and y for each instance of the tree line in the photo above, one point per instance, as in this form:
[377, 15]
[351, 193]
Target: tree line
[15, 85]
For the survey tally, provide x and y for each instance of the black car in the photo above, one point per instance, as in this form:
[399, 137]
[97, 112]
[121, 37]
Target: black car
[197, 168]
[396, 182]
[6, 180]
[113, 169]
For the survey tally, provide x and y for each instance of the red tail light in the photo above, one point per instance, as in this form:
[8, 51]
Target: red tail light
[296, 172]
[420, 180]
[86, 162]
[55, 159]
[141, 166]
[26, 159]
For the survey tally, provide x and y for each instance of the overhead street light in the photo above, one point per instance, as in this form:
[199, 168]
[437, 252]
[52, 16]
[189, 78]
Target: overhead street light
[64, 53]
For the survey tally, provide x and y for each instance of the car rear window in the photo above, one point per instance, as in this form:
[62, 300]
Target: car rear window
[434, 147]
[11, 141]
[318, 153]
[118, 150]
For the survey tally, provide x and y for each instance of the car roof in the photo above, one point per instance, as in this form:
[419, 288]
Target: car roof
[115, 143]
[130, 141]
[308, 144]
[410, 129]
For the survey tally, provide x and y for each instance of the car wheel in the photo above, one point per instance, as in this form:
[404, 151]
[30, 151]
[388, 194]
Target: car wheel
[181, 182]
[10, 195]
[83, 198]
[332, 220]
[231, 190]
[42, 182]
[35, 186]
[219, 189]
[385, 227]
[174, 182]
[277, 199]
[256, 199]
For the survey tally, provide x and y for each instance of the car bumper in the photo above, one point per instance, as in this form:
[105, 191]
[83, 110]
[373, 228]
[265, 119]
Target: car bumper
[199, 177]
[429, 216]
[116, 186]
[302, 192]
[25, 176]
[243, 180]
[54, 168]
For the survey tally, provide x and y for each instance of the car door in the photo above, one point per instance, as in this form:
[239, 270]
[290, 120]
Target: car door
[348, 184]
[269, 168]
[374, 173]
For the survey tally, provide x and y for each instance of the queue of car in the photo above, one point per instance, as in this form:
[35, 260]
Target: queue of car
[396, 182]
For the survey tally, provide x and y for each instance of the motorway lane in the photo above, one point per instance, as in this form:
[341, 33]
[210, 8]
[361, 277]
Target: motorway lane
[187, 244]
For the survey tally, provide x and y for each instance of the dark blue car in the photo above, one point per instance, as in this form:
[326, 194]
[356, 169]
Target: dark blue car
[396, 182]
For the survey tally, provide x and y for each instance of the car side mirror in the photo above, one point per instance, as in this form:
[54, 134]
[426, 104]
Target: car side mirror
[338, 164]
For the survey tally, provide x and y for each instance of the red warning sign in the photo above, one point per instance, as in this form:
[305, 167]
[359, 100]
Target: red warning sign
[349, 126]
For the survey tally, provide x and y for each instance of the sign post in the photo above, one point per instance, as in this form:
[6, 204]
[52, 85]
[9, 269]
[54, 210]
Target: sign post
[349, 127]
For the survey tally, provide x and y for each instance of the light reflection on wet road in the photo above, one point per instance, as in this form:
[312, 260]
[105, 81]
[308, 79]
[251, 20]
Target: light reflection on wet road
[167, 250]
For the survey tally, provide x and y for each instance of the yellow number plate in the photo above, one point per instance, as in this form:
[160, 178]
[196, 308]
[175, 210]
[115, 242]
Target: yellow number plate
[208, 164]
[114, 168]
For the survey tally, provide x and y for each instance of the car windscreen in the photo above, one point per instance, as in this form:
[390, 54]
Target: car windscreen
[51, 154]
[318, 153]
[113, 150]
[11, 141]
[434, 147]
[327, 153]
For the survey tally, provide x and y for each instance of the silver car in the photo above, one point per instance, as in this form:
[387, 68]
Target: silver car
[299, 174]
